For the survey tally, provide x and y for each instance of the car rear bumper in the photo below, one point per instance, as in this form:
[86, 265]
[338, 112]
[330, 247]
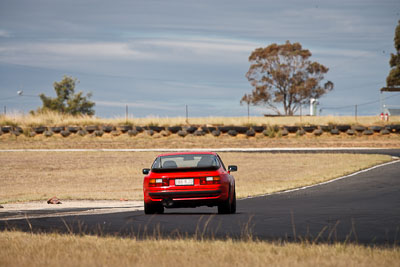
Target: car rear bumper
[185, 194]
[186, 198]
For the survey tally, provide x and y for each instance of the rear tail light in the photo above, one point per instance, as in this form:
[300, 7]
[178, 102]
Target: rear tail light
[158, 182]
[210, 180]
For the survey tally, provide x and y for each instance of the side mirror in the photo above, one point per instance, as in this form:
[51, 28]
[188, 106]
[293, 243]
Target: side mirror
[146, 171]
[232, 168]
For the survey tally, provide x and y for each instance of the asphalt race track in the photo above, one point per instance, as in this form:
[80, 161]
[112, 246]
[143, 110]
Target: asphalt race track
[364, 208]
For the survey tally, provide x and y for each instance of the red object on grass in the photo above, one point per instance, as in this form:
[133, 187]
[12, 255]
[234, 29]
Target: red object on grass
[53, 200]
[189, 179]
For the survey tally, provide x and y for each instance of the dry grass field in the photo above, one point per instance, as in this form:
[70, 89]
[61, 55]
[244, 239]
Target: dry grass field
[55, 119]
[24, 249]
[143, 140]
[27, 176]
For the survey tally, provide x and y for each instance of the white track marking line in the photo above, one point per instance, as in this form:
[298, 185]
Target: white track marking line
[216, 150]
[92, 211]
[228, 149]
[326, 182]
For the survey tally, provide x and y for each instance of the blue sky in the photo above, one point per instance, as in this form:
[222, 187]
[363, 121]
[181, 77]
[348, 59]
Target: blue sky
[158, 56]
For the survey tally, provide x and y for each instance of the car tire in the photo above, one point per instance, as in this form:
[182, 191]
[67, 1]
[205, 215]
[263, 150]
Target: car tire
[159, 209]
[228, 206]
[153, 208]
[233, 204]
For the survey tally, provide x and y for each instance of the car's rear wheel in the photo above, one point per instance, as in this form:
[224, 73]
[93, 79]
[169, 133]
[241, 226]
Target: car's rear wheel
[233, 205]
[153, 208]
[229, 205]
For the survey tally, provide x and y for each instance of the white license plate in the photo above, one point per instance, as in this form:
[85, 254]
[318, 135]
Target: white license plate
[184, 181]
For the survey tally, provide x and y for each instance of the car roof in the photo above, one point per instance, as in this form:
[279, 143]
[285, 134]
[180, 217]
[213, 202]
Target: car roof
[187, 153]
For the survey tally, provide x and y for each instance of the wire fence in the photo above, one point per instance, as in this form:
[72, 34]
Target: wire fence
[217, 110]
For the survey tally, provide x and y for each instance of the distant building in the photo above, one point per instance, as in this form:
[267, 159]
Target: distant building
[390, 110]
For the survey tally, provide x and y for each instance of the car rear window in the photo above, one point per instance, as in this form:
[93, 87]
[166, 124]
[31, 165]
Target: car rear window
[186, 161]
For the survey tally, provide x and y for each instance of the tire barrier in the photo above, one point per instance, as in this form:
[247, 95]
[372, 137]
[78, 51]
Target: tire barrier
[300, 132]
[73, 129]
[359, 128]
[191, 129]
[199, 133]
[384, 132]
[56, 129]
[6, 129]
[157, 129]
[194, 130]
[16, 133]
[182, 133]
[391, 128]
[82, 132]
[240, 129]
[65, 133]
[91, 128]
[237, 129]
[205, 129]
[174, 129]
[132, 132]
[107, 128]
[343, 128]
[269, 132]
[326, 128]
[211, 129]
[318, 132]
[165, 133]
[232, 132]
[124, 128]
[216, 133]
[376, 129]
[258, 129]
[292, 129]
[368, 132]
[139, 129]
[335, 131]
[224, 129]
[48, 133]
[39, 129]
[310, 128]
[251, 132]
[18, 129]
[98, 133]
[115, 133]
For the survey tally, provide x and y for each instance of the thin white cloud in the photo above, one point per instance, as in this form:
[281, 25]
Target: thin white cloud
[85, 50]
[138, 104]
[174, 49]
[348, 53]
[205, 45]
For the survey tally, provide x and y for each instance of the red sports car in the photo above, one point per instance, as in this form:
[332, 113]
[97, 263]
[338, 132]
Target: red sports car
[189, 179]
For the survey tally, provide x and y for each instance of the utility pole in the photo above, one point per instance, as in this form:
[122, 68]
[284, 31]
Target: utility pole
[5, 110]
[126, 114]
[355, 113]
[187, 115]
[248, 112]
[301, 114]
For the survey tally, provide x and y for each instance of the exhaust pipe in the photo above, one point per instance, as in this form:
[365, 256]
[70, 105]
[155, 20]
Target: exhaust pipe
[168, 203]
